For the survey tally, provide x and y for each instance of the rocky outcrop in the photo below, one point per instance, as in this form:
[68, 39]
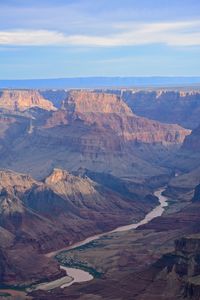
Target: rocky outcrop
[18, 182]
[21, 100]
[184, 265]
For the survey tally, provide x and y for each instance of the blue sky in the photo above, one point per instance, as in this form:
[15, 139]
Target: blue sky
[77, 38]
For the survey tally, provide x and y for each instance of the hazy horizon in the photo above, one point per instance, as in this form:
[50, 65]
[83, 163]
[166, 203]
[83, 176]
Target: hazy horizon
[102, 82]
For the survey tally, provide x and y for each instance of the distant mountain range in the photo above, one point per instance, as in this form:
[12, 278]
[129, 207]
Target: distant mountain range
[97, 82]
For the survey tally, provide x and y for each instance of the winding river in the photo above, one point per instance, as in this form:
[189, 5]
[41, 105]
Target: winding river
[79, 275]
[74, 275]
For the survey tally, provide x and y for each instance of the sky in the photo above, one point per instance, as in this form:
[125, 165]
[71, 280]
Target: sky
[79, 38]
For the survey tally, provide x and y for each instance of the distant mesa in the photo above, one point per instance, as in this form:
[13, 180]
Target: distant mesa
[173, 105]
[81, 101]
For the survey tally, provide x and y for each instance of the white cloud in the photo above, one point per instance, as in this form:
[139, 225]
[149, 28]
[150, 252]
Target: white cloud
[31, 37]
[173, 34]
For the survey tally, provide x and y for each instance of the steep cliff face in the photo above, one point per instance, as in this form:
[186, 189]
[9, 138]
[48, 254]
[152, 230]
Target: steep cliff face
[21, 100]
[178, 107]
